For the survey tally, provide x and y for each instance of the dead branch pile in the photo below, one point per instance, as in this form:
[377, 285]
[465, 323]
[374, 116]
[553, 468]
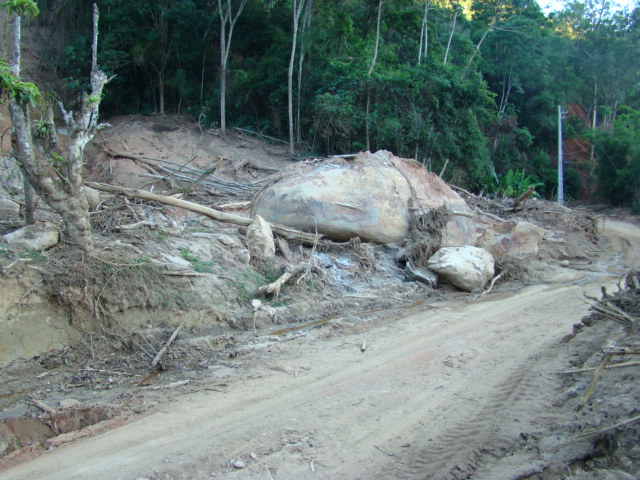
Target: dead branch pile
[187, 174]
[623, 306]
[191, 176]
[511, 268]
[425, 234]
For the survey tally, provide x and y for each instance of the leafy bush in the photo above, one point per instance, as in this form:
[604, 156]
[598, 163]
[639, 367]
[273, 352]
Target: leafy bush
[618, 154]
[512, 184]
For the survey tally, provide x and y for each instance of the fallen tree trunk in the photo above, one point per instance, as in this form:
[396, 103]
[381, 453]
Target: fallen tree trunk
[286, 232]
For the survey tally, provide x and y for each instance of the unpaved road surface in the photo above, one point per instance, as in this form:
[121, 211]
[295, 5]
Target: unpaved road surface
[437, 390]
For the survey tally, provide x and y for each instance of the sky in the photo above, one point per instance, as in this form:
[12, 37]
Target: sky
[555, 5]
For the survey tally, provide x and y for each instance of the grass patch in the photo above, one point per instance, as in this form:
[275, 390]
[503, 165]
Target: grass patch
[34, 256]
[198, 265]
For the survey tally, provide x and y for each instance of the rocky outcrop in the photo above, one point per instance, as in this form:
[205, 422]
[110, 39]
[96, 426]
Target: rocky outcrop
[372, 196]
[467, 268]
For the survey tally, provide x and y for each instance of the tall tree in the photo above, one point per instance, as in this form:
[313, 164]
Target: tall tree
[374, 58]
[227, 17]
[305, 24]
[57, 179]
[297, 7]
[29, 193]
[456, 7]
[423, 49]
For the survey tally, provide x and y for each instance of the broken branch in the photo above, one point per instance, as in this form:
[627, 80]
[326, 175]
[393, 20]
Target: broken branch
[592, 369]
[613, 427]
[274, 287]
[164, 349]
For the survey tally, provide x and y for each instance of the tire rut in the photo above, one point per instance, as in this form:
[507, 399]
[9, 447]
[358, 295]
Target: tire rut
[489, 431]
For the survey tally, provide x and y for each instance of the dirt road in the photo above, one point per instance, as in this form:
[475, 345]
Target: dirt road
[437, 388]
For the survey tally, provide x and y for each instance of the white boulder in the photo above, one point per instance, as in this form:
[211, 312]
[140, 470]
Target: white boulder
[467, 268]
[260, 238]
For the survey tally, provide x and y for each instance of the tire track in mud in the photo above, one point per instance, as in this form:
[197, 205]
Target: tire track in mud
[488, 431]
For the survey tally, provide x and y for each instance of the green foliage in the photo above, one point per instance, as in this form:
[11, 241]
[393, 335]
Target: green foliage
[34, 256]
[512, 184]
[23, 8]
[41, 129]
[56, 161]
[25, 93]
[618, 154]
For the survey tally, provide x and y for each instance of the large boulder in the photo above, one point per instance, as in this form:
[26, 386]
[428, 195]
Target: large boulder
[372, 196]
[517, 239]
[467, 268]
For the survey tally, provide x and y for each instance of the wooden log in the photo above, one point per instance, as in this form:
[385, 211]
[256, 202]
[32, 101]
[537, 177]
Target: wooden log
[164, 349]
[597, 375]
[286, 232]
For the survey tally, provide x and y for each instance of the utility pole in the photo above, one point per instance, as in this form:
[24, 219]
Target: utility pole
[560, 172]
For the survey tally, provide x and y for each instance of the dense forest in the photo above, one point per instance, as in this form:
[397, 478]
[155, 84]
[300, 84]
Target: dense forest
[468, 87]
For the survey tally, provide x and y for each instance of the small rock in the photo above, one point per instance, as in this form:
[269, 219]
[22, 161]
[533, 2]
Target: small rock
[229, 241]
[416, 274]
[69, 403]
[243, 256]
[239, 464]
[256, 303]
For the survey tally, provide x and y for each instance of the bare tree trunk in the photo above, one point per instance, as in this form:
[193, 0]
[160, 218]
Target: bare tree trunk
[424, 34]
[29, 193]
[367, 125]
[226, 17]
[298, 6]
[484, 36]
[453, 28]
[377, 44]
[595, 118]
[223, 70]
[30, 201]
[305, 24]
[507, 83]
[161, 90]
[204, 61]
